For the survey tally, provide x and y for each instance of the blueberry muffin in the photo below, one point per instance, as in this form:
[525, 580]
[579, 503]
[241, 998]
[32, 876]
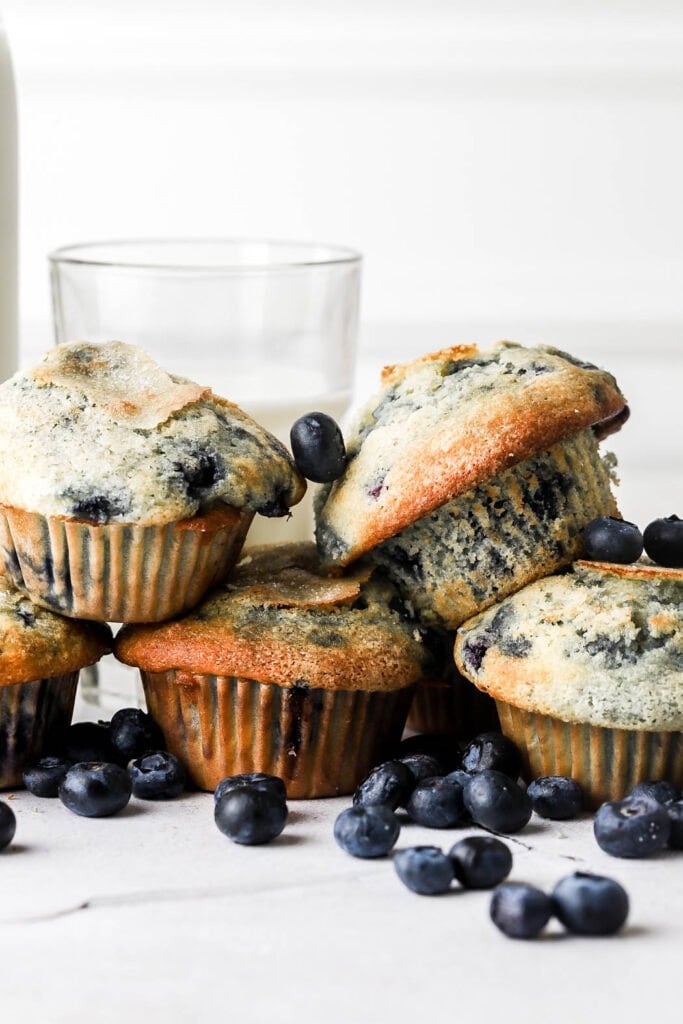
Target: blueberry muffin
[287, 668]
[444, 702]
[473, 473]
[586, 669]
[40, 657]
[126, 492]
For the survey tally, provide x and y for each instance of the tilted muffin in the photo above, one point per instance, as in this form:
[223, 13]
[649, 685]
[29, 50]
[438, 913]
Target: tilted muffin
[473, 473]
[587, 672]
[126, 492]
[285, 669]
[40, 657]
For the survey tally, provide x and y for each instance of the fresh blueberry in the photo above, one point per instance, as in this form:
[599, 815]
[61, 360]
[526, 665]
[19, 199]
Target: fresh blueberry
[496, 802]
[254, 780]
[426, 870]
[675, 812]
[250, 816]
[157, 775]
[491, 750]
[133, 732]
[88, 741]
[367, 831]
[95, 789]
[444, 747]
[390, 784]
[590, 904]
[556, 797]
[8, 825]
[633, 827]
[44, 777]
[459, 776]
[520, 911]
[607, 539]
[318, 447]
[480, 862]
[664, 542]
[662, 792]
[437, 803]
[422, 766]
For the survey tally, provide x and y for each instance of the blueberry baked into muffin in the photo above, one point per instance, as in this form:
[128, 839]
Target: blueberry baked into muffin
[287, 668]
[473, 473]
[40, 657]
[126, 492]
[586, 669]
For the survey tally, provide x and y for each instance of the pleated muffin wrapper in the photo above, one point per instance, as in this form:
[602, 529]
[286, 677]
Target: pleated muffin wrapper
[33, 718]
[607, 763]
[454, 706]
[120, 572]
[320, 742]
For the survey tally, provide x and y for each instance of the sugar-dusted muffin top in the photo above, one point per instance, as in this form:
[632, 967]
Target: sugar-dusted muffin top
[282, 618]
[601, 645]
[445, 423]
[102, 433]
[35, 643]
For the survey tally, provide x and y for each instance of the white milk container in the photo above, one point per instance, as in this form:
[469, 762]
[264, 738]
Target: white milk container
[8, 213]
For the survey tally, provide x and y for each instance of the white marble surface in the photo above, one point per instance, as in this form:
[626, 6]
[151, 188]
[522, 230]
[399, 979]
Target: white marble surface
[154, 915]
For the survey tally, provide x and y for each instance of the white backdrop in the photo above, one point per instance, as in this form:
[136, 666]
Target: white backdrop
[508, 169]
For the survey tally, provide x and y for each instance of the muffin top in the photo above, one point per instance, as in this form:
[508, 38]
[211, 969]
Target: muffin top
[282, 618]
[36, 643]
[602, 644]
[103, 434]
[442, 424]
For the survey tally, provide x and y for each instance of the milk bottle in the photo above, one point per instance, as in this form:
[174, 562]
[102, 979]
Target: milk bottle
[8, 214]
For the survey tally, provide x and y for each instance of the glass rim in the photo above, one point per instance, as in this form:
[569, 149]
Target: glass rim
[331, 255]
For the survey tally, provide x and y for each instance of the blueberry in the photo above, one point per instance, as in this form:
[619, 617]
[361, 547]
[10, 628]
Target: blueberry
[95, 789]
[664, 541]
[480, 862]
[496, 802]
[662, 792]
[606, 539]
[133, 732]
[556, 797]
[492, 750]
[254, 780]
[390, 784]
[8, 825]
[437, 803]
[424, 869]
[459, 776]
[44, 777]
[318, 447]
[250, 816]
[157, 775]
[422, 766]
[633, 827]
[367, 831]
[675, 812]
[520, 911]
[88, 741]
[590, 904]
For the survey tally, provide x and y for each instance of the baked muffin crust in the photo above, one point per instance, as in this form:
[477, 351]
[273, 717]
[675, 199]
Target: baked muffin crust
[101, 433]
[601, 645]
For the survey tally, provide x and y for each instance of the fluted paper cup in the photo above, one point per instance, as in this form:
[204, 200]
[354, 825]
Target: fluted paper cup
[33, 718]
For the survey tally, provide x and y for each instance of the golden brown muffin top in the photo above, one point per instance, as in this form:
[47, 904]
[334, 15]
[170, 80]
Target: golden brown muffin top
[444, 423]
[602, 645]
[35, 643]
[282, 618]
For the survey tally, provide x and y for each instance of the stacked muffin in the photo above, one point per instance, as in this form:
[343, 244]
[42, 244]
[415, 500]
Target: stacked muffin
[125, 494]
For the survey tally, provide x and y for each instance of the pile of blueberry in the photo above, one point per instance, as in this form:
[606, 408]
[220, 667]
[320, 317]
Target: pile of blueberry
[100, 765]
[606, 539]
[585, 904]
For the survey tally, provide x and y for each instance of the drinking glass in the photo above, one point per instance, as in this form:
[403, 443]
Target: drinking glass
[270, 325]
